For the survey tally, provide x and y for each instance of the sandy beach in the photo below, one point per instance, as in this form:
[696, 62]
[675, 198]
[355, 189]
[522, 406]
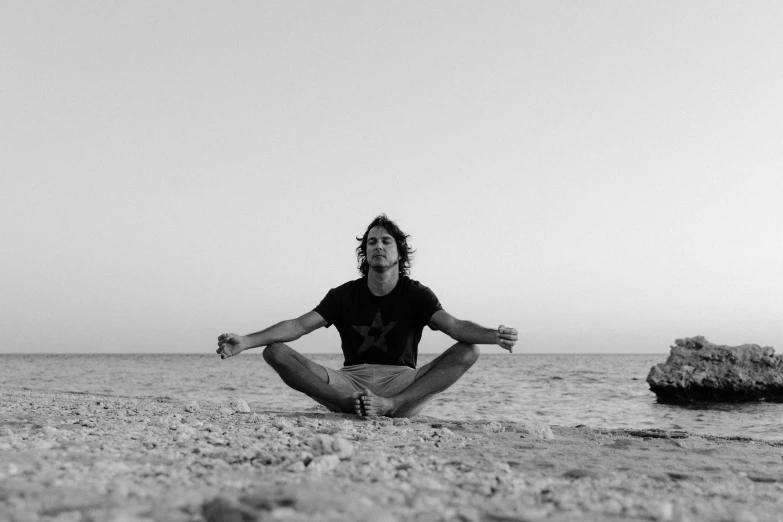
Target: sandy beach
[73, 457]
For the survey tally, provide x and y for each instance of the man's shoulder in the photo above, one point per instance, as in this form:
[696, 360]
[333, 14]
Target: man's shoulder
[415, 286]
[348, 286]
[413, 283]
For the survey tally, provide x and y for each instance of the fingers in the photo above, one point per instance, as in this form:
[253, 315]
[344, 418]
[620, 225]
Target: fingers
[507, 337]
[507, 330]
[225, 338]
[224, 345]
[509, 334]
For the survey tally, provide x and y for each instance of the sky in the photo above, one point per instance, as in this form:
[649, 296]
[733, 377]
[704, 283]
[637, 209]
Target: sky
[603, 176]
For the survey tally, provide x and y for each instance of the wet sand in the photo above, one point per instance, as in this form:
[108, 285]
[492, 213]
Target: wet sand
[72, 457]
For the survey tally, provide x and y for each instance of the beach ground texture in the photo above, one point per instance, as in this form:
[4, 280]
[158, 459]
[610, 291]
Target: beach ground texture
[73, 457]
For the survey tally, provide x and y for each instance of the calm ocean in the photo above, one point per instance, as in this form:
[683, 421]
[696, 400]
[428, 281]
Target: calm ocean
[601, 391]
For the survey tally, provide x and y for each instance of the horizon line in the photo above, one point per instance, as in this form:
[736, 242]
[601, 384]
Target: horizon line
[326, 353]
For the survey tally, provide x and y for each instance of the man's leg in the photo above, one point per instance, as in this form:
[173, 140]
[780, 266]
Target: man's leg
[303, 375]
[432, 378]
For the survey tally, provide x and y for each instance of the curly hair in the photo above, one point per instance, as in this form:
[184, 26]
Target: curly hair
[401, 238]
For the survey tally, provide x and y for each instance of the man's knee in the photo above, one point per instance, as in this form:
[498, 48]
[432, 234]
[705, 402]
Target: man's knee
[275, 353]
[467, 354]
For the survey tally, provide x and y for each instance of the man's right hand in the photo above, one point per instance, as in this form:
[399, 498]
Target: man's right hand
[230, 344]
[507, 338]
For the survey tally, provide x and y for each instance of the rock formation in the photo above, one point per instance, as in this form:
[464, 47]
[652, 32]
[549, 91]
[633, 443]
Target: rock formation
[698, 370]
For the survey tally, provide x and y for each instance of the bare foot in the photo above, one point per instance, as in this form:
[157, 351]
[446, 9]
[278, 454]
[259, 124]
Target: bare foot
[356, 404]
[376, 406]
[351, 404]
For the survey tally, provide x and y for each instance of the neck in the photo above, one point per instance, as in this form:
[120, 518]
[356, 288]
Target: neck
[381, 283]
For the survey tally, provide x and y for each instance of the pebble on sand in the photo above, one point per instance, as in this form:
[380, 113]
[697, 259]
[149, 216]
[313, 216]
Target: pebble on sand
[538, 429]
[238, 405]
[323, 463]
[323, 444]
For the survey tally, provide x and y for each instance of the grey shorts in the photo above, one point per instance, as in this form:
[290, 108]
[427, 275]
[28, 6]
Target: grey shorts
[382, 379]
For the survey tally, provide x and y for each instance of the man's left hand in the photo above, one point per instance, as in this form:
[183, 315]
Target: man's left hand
[507, 338]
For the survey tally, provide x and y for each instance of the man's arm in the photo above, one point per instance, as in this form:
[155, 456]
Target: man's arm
[471, 333]
[285, 331]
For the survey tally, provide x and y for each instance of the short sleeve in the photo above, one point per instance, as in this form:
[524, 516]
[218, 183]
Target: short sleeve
[329, 308]
[427, 304]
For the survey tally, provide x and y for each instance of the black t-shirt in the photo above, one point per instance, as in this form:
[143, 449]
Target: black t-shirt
[379, 330]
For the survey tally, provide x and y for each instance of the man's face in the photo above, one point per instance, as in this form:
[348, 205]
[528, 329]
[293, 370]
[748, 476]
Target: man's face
[382, 252]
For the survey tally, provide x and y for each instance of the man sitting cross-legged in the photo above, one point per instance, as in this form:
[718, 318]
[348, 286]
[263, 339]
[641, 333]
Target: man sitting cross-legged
[380, 318]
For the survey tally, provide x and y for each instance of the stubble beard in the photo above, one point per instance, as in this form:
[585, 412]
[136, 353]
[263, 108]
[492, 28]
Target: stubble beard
[381, 268]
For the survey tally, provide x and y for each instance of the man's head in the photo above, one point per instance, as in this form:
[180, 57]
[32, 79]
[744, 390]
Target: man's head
[383, 246]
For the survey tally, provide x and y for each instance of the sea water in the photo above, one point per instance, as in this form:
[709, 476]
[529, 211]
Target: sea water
[601, 391]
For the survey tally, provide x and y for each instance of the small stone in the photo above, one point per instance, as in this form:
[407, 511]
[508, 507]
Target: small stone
[283, 424]
[169, 422]
[538, 429]
[238, 405]
[222, 510]
[321, 444]
[448, 434]
[306, 457]
[342, 448]
[297, 467]
[493, 427]
[192, 407]
[323, 463]
[184, 433]
[401, 421]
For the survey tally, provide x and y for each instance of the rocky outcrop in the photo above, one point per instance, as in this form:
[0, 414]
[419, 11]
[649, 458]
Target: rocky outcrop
[698, 370]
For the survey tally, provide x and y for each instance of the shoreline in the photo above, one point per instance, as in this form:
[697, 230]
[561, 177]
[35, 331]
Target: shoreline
[74, 456]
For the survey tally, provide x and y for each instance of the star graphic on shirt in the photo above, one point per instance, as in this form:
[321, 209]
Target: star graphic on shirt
[375, 334]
